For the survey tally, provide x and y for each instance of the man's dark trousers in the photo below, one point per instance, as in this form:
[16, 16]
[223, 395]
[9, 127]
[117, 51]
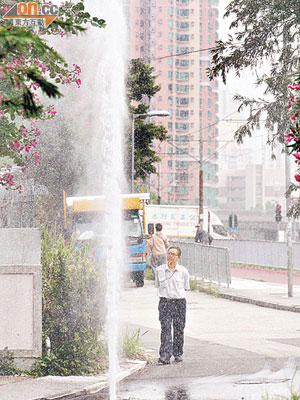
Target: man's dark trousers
[171, 311]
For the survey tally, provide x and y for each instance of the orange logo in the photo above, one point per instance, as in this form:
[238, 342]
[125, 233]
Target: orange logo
[31, 12]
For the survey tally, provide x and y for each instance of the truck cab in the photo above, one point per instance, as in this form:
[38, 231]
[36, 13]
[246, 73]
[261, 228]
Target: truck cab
[84, 216]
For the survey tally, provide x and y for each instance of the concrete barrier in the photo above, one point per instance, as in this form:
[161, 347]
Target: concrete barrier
[21, 294]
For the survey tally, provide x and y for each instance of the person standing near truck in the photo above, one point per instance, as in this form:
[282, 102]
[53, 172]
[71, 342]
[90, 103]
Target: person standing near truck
[158, 244]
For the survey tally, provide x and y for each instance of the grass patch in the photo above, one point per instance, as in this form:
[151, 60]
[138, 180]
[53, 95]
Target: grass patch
[205, 287]
[193, 284]
[131, 344]
[254, 266]
[148, 274]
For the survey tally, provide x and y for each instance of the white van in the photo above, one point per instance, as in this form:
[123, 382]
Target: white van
[181, 221]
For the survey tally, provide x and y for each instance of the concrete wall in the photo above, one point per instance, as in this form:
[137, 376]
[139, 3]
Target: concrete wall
[21, 294]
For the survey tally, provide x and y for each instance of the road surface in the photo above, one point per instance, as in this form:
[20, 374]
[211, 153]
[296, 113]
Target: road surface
[232, 350]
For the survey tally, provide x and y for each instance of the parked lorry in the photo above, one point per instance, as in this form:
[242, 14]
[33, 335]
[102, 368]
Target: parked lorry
[83, 218]
[181, 221]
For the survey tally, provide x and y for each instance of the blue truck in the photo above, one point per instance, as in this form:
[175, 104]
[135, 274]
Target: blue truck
[83, 216]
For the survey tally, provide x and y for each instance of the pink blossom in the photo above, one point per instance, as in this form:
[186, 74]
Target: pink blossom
[297, 177]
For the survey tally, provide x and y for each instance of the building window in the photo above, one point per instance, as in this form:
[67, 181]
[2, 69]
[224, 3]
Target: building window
[184, 50]
[184, 76]
[184, 88]
[184, 101]
[170, 100]
[170, 74]
[184, 190]
[170, 163]
[181, 126]
[184, 114]
[170, 61]
[184, 25]
[170, 23]
[184, 38]
[182, 63]
[184, 13]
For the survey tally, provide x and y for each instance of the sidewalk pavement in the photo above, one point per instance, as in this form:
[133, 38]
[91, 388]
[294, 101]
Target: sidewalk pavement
[264, 294]
[68, 388]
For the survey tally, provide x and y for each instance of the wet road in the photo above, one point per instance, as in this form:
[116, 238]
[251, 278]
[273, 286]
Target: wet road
[232, 350]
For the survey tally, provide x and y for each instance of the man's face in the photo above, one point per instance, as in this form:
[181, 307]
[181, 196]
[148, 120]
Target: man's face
[173, 255]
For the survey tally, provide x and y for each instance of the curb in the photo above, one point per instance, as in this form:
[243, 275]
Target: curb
[242, 299]
[131, 367]
[260, 303]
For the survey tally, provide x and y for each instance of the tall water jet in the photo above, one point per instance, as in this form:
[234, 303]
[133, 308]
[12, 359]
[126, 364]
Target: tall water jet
[107, 164]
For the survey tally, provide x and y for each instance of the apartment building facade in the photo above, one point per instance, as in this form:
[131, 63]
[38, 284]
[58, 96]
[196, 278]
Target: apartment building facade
[175, 36]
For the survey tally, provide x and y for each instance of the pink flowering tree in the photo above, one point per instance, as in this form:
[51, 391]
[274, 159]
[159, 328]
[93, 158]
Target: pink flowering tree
[31, 71]
[293, 140]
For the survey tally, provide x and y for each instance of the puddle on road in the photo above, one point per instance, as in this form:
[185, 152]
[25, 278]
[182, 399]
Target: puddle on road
[172, 393]
[265, 383]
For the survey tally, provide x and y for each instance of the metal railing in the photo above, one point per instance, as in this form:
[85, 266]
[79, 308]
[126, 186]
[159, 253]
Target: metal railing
[205, 262]
[260, 252]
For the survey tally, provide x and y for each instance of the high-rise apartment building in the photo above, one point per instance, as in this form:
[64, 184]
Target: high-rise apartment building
[175, 36]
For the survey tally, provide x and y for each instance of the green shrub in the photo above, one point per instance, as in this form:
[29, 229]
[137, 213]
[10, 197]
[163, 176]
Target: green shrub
[7, 363]
[73, 310]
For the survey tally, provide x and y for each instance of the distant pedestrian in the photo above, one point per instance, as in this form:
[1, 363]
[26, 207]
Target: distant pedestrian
[172, 280]
[158, 244]
[202, 236]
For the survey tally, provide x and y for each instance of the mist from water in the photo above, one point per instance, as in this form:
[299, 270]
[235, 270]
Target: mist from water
[106, 162]
[96, 113]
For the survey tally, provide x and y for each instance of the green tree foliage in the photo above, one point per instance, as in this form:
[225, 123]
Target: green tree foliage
[73, 310]
[140, 88]
[264, 32]
[141, 81]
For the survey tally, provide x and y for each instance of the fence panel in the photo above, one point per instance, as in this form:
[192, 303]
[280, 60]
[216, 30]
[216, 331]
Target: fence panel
[206, 262]
[265, 253]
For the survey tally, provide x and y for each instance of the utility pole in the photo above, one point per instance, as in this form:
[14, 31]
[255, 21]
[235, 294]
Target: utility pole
[200, 218]
[289, 226]
[159, 184]
[132, 152]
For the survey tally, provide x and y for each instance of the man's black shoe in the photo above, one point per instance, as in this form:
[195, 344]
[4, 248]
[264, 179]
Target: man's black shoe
[164, 361]
[178, 359]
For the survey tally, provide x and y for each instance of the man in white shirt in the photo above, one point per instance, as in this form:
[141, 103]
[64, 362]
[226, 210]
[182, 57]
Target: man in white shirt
[172, 280]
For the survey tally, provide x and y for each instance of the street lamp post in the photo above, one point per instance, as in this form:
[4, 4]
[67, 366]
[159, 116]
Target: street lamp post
[153, 113]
